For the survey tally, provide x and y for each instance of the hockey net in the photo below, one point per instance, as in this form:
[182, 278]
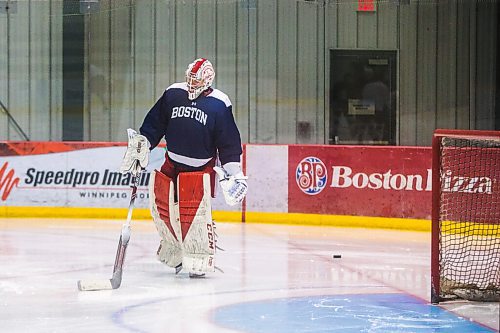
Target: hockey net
[465, 254]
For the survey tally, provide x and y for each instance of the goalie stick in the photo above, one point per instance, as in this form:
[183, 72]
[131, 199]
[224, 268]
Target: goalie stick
[116, 279]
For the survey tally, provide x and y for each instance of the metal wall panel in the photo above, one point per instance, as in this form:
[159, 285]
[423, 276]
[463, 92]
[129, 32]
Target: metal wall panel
[4, 76]
[308, 77]
[143, 69]
[330, 31]
[243, 106]
[347, 24]
[55, 71]
[223, 50]
[367, 30]
[266, 131]
[286, 93]
[485, 65]
[163, 49]
[426, 73]
[98, 94]
[39, 65]
[122, 70]
[464, 51]
[472, 66]
[407, 87]
[251, 8]
[20, 105]
[322, 125]
[185, 38]
[388, 18]
[213, 22]
[446, 65]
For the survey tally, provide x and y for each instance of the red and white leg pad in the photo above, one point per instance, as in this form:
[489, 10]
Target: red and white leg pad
[165, 213]
[197, 227]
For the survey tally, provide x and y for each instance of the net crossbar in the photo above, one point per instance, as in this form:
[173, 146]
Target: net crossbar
[466, 216]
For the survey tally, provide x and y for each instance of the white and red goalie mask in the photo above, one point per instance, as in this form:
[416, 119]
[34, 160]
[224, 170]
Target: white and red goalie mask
[199, 77]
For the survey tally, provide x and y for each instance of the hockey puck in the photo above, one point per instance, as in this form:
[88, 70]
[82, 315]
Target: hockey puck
[337, 256]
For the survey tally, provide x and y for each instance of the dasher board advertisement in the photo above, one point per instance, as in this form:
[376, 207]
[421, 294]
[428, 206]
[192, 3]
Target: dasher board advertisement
[361, 181]
[69, 175]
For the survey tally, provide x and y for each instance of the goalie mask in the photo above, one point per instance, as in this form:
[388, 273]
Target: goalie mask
[199, 76]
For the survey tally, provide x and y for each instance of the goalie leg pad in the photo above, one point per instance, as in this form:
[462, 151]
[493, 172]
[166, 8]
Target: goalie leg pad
[197, 227]
[165, 213]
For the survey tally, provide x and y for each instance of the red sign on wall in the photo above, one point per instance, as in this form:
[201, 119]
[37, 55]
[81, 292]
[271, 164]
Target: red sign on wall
[360, 181]
[366, 5]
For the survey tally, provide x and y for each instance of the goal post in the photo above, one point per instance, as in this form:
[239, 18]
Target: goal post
[465, 243]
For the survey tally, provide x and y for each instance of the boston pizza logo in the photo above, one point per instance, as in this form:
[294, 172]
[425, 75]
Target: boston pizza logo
[311, 175]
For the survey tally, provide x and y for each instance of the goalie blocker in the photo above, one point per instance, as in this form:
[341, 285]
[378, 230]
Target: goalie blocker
[183, 217]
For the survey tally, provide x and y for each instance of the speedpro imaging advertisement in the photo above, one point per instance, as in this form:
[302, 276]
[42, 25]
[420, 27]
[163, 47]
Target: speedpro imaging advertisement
[69, 174]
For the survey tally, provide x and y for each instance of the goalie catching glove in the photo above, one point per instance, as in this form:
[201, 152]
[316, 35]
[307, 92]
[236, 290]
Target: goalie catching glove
[233, 182]
[137, 155]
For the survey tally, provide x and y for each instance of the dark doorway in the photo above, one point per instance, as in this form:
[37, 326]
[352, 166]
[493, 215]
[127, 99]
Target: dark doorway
[363, 97]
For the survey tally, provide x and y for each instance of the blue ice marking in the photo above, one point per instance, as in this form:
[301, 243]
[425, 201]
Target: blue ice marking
[377, 313]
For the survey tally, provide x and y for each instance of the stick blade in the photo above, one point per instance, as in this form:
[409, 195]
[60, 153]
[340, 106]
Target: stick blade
[92, 285]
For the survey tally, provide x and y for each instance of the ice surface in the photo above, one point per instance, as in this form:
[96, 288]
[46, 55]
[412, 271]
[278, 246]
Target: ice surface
[41, 261]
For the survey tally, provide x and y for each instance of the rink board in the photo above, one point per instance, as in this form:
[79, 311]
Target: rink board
[297, 184]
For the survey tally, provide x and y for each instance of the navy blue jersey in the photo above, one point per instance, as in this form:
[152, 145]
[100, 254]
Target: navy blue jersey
[194, 130]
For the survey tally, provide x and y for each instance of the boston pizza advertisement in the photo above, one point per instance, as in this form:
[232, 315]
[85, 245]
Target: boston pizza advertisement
[360, 181]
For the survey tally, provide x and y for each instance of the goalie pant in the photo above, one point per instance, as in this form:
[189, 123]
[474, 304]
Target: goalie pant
[180, 203]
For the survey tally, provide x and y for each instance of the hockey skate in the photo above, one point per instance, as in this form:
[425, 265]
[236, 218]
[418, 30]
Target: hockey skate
[196, 275]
